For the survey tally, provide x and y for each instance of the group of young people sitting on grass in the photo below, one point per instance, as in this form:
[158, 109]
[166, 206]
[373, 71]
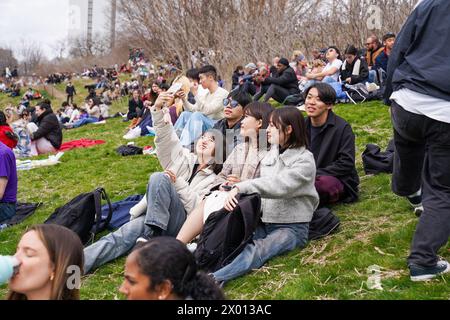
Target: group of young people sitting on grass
[295, 165]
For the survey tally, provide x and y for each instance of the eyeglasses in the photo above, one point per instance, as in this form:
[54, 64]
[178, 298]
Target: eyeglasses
[232, 103]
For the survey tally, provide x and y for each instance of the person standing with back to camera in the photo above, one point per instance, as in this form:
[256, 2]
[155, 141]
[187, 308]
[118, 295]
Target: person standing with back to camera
[418, 87]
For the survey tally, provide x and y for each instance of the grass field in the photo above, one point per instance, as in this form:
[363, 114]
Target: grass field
[375, 231]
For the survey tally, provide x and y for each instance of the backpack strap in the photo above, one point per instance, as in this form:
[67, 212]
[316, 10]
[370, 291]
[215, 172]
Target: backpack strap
[100, 194]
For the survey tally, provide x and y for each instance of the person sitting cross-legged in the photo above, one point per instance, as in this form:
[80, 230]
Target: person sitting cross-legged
[283, 85]
[332, 141]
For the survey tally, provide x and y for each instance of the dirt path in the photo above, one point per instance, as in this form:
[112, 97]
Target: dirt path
[53, 92]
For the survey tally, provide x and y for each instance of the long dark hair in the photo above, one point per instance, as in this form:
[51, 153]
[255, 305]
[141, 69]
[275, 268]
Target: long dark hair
[290, 116]
[165, 258]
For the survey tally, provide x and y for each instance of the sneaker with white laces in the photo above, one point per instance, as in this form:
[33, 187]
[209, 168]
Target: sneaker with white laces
[419, 273]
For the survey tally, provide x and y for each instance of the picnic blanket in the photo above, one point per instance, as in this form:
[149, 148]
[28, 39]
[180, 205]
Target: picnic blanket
[82, 143]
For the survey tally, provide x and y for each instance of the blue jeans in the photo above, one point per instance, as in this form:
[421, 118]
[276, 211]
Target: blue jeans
[83, 122]
[164, 210]
[7, 211]
[190, 126]
[372, 76]
[270, 240]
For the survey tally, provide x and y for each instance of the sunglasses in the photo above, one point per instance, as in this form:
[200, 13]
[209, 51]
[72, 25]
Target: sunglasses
[232, 103]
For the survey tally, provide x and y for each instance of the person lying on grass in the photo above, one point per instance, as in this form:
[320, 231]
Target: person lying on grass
[171, 195]
[164, 269]
[289, 198]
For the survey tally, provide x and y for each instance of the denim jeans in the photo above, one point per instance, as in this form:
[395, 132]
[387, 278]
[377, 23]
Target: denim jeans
[372, 76]
[270, 240]
[83, 122]
[7, 211]
[421, 160]
[190, 126]
[164, 210]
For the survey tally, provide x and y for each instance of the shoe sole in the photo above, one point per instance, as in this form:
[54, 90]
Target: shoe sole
[428, 277]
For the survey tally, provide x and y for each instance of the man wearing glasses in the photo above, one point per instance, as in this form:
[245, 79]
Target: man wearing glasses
[230, 125]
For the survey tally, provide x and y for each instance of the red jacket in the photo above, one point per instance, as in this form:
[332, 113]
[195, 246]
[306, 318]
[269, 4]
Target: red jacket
[11, 143]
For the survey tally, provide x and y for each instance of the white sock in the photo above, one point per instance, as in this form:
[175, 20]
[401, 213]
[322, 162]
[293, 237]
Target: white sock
[418, 193]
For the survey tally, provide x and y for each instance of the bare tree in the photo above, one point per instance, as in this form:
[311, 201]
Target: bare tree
[31, 55]
[79, 47]
[7, 59]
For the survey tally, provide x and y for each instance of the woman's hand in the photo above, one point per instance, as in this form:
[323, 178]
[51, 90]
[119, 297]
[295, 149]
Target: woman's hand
[181, 95]
[163, 100]
[171, 175]
[231, 201]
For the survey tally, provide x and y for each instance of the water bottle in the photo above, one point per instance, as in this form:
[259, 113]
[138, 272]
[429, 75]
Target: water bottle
[9, 266]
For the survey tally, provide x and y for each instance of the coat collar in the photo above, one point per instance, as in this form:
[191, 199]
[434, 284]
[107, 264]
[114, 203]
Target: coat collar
[331, 122]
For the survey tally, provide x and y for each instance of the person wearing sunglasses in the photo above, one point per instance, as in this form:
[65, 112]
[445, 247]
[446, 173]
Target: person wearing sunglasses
[230, 125]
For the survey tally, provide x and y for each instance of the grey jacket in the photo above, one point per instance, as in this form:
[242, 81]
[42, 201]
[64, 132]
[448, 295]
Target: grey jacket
[286, 186]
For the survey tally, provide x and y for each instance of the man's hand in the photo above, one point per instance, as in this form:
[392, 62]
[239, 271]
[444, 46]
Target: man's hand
[348, 80]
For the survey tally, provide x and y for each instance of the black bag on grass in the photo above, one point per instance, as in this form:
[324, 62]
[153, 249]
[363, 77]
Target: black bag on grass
[83, 215]
[129, 150]
[375, 161]
[324, 222]
[225, 234]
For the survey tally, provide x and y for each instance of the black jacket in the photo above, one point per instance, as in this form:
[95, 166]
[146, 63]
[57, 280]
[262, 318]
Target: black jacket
[70, 90]
[133, 105]
[336, 156]
[348, 72]
[420, 58]
[49, 129]
[286, 79]
[235, 137]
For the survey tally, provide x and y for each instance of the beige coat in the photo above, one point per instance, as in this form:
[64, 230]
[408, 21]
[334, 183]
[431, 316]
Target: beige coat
[181, 162]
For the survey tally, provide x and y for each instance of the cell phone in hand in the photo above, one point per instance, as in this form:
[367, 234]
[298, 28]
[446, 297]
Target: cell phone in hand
[175, 88]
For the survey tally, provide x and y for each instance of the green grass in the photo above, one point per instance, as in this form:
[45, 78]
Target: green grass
[375, 231]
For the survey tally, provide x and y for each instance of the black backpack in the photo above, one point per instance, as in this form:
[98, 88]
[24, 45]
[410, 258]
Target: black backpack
[225, 234]
[83, 215]
[375, 161]
[324, 222]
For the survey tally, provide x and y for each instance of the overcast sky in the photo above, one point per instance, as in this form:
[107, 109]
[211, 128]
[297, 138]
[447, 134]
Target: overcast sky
[44, 21]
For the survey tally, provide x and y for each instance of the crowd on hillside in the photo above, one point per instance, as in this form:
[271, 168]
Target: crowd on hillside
[232, 151]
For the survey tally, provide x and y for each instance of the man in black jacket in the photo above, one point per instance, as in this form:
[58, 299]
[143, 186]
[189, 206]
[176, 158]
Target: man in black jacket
[332, 142]
[70, 91]
[230, 126]
[135, 105]
[418, 85]
[284, 85]
[47, 136]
